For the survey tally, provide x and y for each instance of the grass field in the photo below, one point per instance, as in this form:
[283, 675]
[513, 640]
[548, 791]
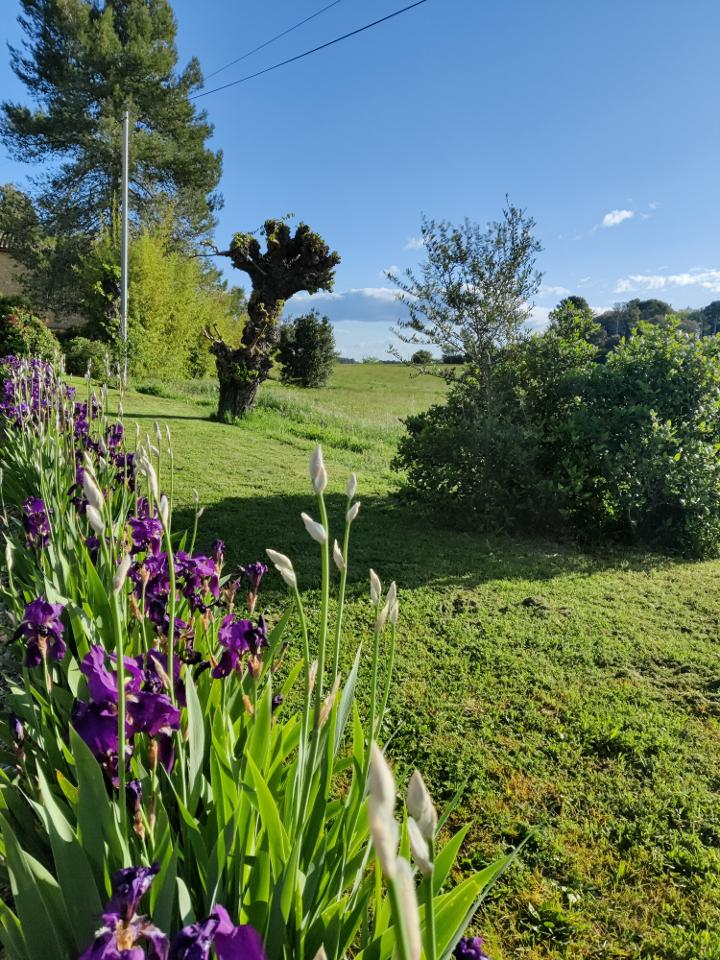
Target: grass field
[575, 693]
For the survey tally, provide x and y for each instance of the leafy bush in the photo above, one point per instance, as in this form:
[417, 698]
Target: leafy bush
[173, 297]
[306, 350]
[82, 354]
[422, 357]
[552, 439]
[23, 333]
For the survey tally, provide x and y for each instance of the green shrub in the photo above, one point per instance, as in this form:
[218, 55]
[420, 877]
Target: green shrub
[306, 350]
[552, 440]
[23, 333]
[81, 353]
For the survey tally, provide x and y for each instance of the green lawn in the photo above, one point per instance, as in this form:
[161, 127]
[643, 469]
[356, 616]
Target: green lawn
[576, 693]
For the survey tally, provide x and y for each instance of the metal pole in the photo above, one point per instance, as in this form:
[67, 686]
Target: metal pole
[124, 251]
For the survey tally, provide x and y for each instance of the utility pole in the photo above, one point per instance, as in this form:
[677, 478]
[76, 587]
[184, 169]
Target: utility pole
[124, 251]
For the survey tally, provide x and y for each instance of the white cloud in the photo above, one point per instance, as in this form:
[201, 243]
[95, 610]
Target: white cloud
[653, 205]
[366, 304]
[584, 280]
[615, 217]
[539, 318]
[553, 291]
[393, 269]
[707, 279]
[415, 243]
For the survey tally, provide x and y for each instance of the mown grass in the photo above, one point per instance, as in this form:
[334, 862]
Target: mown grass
[576, 694]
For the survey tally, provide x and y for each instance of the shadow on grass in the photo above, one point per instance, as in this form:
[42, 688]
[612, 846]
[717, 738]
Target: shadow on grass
[400, 542]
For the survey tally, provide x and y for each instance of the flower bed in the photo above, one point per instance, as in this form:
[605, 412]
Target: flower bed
[158, 797]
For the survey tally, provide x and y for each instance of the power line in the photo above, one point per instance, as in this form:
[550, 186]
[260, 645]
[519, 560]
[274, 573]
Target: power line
[273, 39]
[307, 53]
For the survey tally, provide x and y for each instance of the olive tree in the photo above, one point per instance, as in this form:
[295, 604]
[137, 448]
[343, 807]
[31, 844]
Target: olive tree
[473, 292]
[290, 263]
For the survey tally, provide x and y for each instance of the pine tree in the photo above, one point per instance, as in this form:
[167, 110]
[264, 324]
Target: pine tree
[84, 62]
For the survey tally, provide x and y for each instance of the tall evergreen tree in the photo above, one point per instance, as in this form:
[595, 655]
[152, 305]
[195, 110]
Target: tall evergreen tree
[83, 63]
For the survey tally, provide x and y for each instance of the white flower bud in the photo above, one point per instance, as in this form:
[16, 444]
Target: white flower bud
[321, 955]
[9, 556]
[351, 486]
[312, 675]
[394, 613]
[391, 595]
[149, 470]
[405, 886]
[164, 510]
[381, 783]
[420, 806]
[284, 567]
[95, 520]
[352, 512]
[375, 588]
[92, 492]
[158, 433]
[195, 496]
[318, 473]
[381, 619]
[328, 702]
[338, 557]
[153, 450]
[121, 573]
[381, 804]
[419, 848]
[167, 434]
[288, 576]
[316, 530]
[279, 559]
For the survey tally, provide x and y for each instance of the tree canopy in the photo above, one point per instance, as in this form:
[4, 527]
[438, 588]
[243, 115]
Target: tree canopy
[83, 62]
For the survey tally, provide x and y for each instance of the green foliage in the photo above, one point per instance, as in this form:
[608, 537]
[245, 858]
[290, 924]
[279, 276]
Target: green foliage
[306, 350]
[82, 354]
[173, 297]
[83, 64]
[472, 292]
[23, 333]
[555, 440]
[422, 357]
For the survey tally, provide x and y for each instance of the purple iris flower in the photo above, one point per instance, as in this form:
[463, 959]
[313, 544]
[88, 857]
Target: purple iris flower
[254, 573]
[43, 630]
[200, 576]
[470, 948]
[115, 435]
[17, 729]
[129, 886]
[133, 796]
[195, 941]
[97, 725]
[102, 682]
[277, 701]
[123, 928]
[93, 547]
[217, 551]
[152, 713]
[232, 942]
[155, 674]
[239, 637]
[35, 520]
[147, 535]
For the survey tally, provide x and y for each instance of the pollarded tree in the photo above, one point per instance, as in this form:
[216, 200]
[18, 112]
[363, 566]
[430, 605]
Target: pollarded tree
[291, 263]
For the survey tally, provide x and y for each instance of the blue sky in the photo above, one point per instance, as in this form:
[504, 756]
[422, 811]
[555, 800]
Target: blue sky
[601, 119]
